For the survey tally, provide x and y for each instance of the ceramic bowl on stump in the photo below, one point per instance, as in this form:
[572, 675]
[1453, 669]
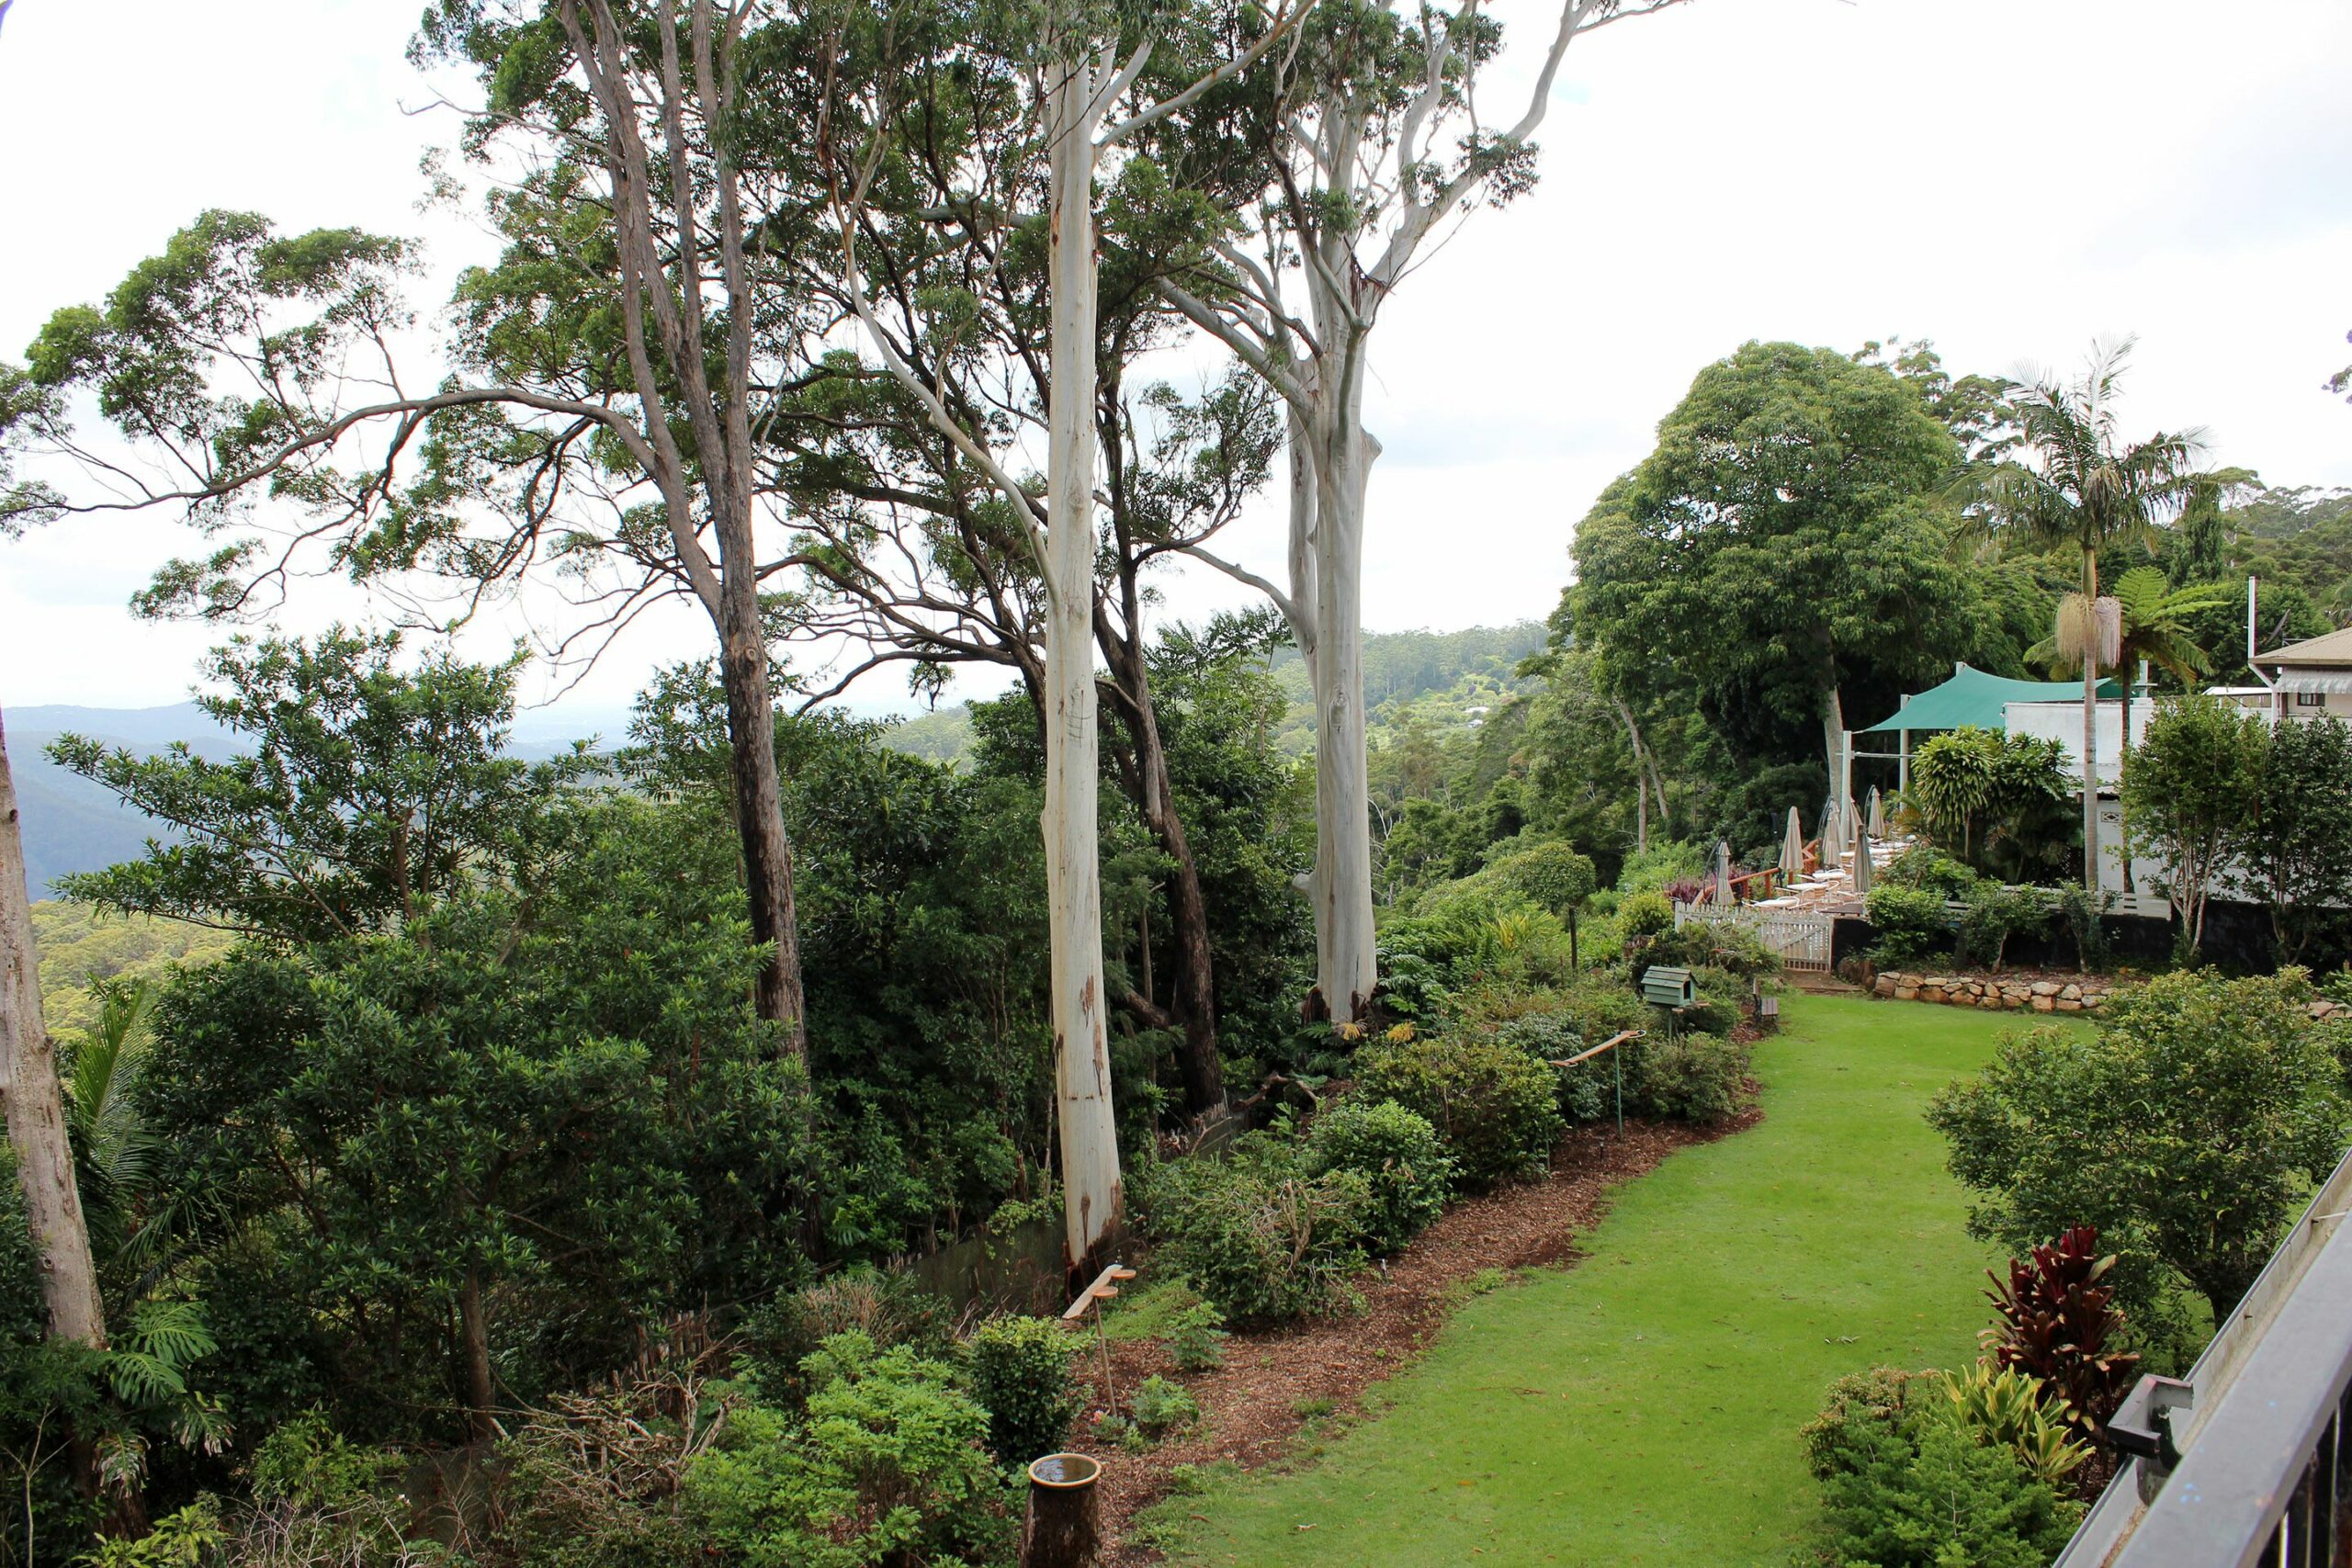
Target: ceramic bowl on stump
[1061, 1530]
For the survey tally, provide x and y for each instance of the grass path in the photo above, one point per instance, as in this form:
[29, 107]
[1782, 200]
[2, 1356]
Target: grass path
[1643, 1406]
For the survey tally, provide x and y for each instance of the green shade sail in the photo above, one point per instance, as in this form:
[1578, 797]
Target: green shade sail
[1973, 697]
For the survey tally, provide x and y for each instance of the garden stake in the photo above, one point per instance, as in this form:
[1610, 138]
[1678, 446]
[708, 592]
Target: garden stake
[1616, 1064]
[1094, 1295]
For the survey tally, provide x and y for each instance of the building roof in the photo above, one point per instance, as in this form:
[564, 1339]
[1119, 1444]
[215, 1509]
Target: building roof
[1973, 697]
[2335, 648]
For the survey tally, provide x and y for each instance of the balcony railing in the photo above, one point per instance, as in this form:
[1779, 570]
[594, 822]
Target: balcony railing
[2245, 1461]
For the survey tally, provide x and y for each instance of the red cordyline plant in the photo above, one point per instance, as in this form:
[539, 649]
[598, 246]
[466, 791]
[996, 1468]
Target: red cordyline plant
[2059, 1324]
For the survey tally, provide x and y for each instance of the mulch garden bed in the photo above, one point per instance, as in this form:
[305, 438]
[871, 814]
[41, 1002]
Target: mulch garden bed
[1250, 1406]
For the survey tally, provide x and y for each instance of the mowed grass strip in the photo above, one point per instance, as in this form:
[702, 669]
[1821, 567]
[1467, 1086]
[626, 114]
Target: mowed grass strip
[1643, 1406]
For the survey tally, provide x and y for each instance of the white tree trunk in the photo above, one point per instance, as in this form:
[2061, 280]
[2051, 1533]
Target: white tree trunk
[1345, 965]
[1090, 1140]
[1641, 779]
[34, 1108]
[1339, 459]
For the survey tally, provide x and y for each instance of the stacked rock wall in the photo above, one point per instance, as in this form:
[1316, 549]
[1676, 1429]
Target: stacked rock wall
[2006, 993]
[1996, 993]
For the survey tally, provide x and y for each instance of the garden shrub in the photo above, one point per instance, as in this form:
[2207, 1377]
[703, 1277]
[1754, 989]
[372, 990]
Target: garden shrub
[1196, 1339]
[1161, 1406]
[1646, 913]
[887, 1308]
[1930, 1495]
[2006, 1407]
[1694, 1077]
[1882, 1398]
[2084, 914]
[1720, 993]
[1930, 869]
[1495, 1107]
[1396, 1152]
[889, 1464]
[2187, 1131]
[1584, 1093]
[1907, 1485]
[1603, 1005]
[1021, 1375]
[1596, 1005]
[1529, 946]
[1555, 878]
[1258, 1237]
[1710, 944]
[2059, 1324]
[1995, 912]
[1911, 923]
[1589, 1091]
[1424, 955]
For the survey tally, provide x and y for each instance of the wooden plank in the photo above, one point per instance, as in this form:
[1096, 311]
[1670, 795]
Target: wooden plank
[1617, 1039]
[1102, 1290]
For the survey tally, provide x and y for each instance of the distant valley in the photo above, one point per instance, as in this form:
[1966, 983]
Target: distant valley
[71, 825]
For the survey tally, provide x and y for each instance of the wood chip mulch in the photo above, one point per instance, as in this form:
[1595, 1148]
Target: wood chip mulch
[1250, 1406]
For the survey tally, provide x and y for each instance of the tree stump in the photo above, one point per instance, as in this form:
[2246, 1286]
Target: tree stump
[1062, 1529]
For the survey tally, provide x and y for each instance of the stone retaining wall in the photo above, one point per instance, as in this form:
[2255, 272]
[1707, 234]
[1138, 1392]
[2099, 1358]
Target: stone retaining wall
[2017, 994]
[1996, 992]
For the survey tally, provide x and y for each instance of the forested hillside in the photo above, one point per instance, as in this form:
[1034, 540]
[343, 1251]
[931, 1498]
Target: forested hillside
[1430, 679]
[81, 947]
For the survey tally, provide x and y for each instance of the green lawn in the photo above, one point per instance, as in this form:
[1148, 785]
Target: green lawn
[1643, 1406]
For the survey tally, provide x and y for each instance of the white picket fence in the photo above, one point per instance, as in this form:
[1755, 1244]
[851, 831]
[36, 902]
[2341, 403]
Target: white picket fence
[1801, 939]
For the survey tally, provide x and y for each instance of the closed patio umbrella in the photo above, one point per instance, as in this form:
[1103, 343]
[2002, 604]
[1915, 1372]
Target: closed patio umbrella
[1861, 860]
[1878, 814]
[1792, 850]
[1833, 836]
[1722, 872]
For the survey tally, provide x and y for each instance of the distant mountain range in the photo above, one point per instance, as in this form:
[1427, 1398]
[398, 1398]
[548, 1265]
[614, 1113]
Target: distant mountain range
[71, 825]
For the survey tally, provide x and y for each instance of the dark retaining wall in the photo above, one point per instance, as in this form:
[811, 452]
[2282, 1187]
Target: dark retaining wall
[2237, 938]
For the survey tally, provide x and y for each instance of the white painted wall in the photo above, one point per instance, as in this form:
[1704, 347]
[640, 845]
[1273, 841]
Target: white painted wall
[2063, 722]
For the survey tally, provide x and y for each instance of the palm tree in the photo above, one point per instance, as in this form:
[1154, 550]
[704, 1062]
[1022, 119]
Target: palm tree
[2153, 625]
[114, 1149]
[2082, 486]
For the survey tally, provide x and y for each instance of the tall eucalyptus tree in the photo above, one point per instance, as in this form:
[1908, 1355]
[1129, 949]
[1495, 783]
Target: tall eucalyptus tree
[33, 1107]
[1077, 75]
[598, 426]
[1376, 144]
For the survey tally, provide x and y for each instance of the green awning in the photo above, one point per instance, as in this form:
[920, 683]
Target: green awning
[1971, 697]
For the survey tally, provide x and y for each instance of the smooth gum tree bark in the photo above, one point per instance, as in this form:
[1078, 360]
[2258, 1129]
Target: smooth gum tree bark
[35, 1106]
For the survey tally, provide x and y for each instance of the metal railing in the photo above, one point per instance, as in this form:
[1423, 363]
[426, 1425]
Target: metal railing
[2245, 1461]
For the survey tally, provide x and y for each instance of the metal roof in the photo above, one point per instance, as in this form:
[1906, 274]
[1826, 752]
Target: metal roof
[1973, 697]
[2335, 647]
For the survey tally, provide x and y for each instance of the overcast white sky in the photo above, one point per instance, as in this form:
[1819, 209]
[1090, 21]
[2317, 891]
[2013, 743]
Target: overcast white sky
[2008, 178]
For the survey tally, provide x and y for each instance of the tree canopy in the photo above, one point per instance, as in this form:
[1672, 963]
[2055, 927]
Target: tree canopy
[1783, 543]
